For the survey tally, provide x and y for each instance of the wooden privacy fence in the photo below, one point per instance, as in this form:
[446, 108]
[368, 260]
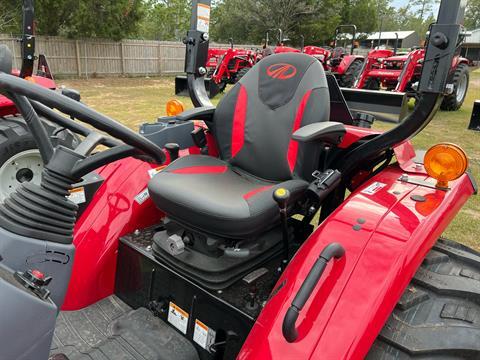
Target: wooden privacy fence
[91, 57]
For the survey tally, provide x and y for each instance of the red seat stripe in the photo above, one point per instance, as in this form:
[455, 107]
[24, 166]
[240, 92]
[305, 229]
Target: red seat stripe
[255, 192]
[201, 170]
[293, 145]
[238, 128]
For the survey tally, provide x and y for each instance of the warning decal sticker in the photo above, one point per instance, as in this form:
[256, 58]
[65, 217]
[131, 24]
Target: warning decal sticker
[178, 317]
[203, 335]
[373, 188]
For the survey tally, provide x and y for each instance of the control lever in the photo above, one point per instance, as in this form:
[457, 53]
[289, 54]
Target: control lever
[281, 197]
[173, 150]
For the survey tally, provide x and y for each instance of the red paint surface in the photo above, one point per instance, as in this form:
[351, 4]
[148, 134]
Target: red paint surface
[7, 107]
[356, 294]
[293, 144]
[355, 133]
[256, 191]
[239, 118]
[112, 213]
[201, 170]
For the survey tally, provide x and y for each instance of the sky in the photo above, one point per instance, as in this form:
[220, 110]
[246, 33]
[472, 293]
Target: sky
[399, 3]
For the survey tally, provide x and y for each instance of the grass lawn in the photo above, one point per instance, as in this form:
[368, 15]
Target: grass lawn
[139, 100]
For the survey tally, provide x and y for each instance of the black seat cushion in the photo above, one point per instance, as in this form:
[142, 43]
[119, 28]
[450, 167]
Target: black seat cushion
[210, 195]
[253, 126]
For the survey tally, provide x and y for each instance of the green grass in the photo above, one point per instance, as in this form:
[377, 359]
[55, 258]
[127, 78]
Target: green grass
[138, 100]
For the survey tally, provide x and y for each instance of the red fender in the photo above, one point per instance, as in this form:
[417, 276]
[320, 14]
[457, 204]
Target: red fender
[347, 60]
[112, 213]
[386, 235]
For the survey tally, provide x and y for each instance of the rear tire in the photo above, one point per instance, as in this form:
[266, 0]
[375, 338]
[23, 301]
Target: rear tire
[438, 316]
[241, 73]
[454, 101]
[348, 79]
[20, 160]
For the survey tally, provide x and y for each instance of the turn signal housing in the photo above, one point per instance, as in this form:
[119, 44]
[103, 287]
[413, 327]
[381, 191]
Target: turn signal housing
[445, 162]
[174, 107]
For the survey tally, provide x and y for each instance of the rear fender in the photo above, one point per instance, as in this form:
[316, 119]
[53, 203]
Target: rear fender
[386, 235]
[347, 60]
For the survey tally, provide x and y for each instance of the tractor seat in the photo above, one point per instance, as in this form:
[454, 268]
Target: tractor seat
[231, 196]
[203, 192]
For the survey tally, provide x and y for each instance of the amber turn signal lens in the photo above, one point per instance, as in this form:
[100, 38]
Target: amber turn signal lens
[174, 107]
[445, 162]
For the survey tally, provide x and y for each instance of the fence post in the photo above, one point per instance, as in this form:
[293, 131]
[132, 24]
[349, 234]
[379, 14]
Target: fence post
[159, 56]
[77, 55]
[122, 57]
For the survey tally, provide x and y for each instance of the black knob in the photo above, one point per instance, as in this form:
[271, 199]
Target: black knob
[173, 149]
[440, 40]
[281, 197]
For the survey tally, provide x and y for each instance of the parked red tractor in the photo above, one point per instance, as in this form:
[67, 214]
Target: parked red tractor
[383, 69]
[338, 60]
[223, 66]
[201, 240]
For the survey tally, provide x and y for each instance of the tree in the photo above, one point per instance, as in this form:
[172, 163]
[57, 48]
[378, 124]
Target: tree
[79, 18]
[10, 16]
[166, 20]
[249, 20]
[472, 15]
[425, 7]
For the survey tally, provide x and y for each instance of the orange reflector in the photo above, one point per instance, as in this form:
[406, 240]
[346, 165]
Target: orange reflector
[31, 79]
[445, 162]
[174, 107]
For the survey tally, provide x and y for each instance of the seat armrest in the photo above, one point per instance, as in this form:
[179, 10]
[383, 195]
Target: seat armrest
[327, 132]
[200, 113]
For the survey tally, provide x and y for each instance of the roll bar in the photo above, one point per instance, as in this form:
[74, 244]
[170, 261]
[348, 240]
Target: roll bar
[441, 47]
[353, 32]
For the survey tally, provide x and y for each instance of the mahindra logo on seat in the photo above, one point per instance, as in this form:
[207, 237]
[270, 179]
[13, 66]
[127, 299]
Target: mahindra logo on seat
[282, 71]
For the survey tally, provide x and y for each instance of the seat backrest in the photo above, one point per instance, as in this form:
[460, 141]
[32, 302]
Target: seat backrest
[254, 121]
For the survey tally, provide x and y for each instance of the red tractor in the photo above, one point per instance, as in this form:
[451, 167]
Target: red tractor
[229, 66]
[401, 73]
[228, 233]
[223, 66]
[20, 160]
[338, 60]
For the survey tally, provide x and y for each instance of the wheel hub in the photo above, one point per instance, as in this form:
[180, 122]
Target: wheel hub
[462, 88]
[26, 166]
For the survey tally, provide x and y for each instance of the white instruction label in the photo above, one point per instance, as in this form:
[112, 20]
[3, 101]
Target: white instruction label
[142, 197]
[153, 172]
[203, 17]
[373, 188]
[203, 335]
[178, 317]
[77, 195]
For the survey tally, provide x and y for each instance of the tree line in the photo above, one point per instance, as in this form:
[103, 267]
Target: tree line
[246, 21]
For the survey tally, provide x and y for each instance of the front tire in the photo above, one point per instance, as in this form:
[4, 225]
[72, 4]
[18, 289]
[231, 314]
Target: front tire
[20, 160]
[438, 316]
[348, 79]
[241, 73]
[461, 78]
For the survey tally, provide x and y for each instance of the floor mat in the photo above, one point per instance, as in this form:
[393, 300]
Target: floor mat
[110, 329]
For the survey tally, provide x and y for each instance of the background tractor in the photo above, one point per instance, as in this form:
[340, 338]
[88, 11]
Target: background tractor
[383, 69]
[339, 59]
[223, 66]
